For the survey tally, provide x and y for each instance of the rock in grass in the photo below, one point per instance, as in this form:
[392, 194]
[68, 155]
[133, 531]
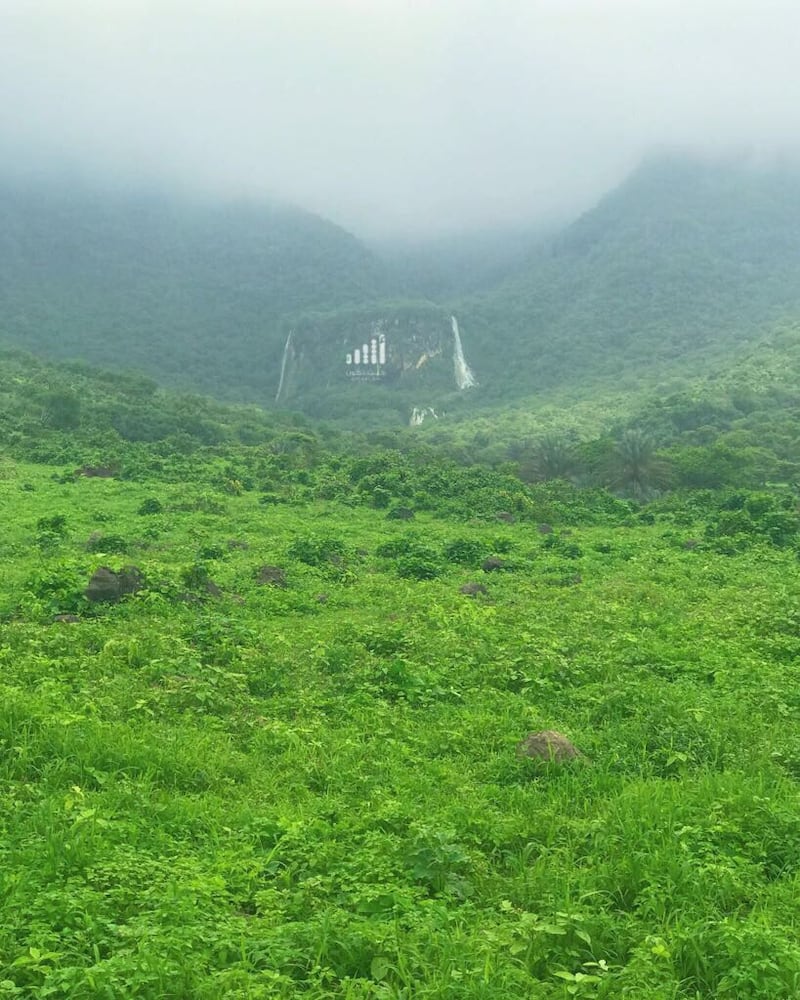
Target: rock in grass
[272, 576]
[96, 472]
[547, 745]
[93, 542]
[493, 564]
[400, 514]
[108, 587]
[473, 589]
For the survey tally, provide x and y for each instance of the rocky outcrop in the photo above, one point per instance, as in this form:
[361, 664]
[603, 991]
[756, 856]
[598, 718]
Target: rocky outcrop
[107, 586]
[271, 576]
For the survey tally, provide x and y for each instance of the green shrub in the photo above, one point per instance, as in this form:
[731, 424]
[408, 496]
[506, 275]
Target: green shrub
[196, 576]
[57, 590]
[150, 506]
[55, 525]
[211, 551]
[316, 550]
[391, 549]
[418, 567]
[107, 543]
[466, 551]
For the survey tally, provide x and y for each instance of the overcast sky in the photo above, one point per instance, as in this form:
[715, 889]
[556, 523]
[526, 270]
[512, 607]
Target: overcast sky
[398, 116]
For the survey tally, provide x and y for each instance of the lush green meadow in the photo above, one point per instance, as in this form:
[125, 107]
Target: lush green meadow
[222, 788]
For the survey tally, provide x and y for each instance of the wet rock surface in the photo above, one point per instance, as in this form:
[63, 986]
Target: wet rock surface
[548, 745]
[107, 586]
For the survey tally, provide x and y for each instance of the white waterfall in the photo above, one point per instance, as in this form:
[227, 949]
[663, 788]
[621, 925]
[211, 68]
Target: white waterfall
[418, 415]
[283, 366]
[464, 377]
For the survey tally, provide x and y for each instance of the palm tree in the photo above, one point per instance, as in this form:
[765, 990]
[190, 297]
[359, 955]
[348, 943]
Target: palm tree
[553, 458]
[635, 468]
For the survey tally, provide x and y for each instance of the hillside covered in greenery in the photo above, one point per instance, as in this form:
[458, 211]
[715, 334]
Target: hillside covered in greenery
[734, 427]
[680, 270]
[189, 291]
[265, 686]
[264, 690]
[271, 679]
[676, 270]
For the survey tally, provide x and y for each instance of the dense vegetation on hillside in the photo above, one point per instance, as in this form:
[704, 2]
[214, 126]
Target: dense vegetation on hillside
[685, 265]
[264, 681]
[444, 268]
[191, 292]
[737, 424]
[270, 748]
[737, 427]
[680, 266]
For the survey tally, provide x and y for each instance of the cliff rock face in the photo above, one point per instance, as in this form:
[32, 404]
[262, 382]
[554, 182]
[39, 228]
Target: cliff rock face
[392, 348]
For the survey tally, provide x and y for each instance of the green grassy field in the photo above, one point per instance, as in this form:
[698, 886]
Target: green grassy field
[313, 791]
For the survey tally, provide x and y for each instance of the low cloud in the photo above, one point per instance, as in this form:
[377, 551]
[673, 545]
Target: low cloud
[394, 115]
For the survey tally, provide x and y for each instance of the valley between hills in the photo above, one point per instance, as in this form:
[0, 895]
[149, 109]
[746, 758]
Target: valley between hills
[273, 671]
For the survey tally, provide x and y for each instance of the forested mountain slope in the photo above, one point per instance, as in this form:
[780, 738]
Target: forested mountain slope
[671, 275]
[463, 263]
[191, 292]
[681, 264]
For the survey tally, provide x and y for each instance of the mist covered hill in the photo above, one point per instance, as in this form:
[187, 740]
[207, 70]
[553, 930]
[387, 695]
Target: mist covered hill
[190, 292]
[682, 266]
